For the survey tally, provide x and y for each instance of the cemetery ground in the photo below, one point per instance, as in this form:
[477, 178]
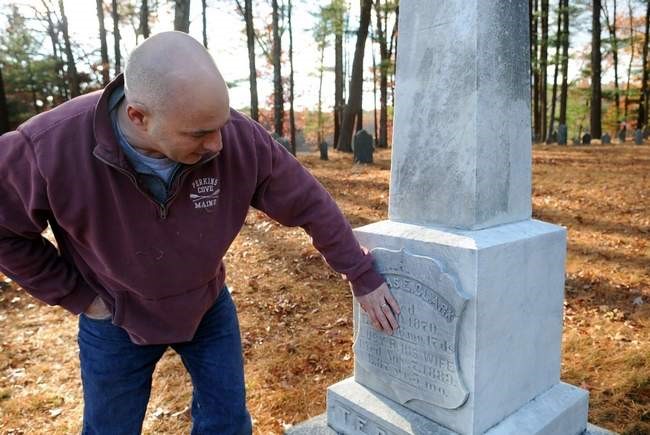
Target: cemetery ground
[295, 313]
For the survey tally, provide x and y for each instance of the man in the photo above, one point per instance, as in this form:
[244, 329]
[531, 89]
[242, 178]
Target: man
[145, 185]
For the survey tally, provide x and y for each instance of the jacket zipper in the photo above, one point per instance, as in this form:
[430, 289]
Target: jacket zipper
[163, 208]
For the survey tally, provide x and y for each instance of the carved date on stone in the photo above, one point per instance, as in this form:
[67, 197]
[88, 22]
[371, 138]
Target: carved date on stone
[420, 360]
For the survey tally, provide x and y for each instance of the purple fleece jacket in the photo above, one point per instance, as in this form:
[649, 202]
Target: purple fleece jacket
[157, 267]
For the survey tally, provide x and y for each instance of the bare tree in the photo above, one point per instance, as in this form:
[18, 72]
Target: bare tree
[543, 61]
[629, 65]
[556, 62]
[292, 115]
[596, 92]
[144, 19]
[247, 12]
[338, 24]
[613, 41]
[643, 105]
[73, 76]
[565, 62]
[116, 37]
[356, 80]
[205, 24]
[278, 97]
[182, 15]
[102, 41]
[53, 33]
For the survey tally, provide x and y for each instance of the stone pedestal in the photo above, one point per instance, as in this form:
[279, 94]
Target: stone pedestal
[480, 328]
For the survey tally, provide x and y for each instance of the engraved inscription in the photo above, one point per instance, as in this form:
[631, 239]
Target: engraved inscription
[353, 421]
[419, 361]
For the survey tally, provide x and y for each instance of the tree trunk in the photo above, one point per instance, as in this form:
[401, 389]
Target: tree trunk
[4, 110]
[319, 121]
[629, 65]
[643, 105]
[356, 80]
[73, 77]
[544, 68]
[595, 127]
[54, 39]
[116, 37]
[374, 98]
[144, 19]
[339, 102]
[278, 97]
[558, 35]
[382, 141]
[564, 92]
[182, 15]
[613, 41]
[102, 40]
[205, 24]
[292, 115]
[537, 114]
[252, 69]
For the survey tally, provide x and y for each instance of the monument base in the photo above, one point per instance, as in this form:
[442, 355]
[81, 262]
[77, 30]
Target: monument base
[354, 410]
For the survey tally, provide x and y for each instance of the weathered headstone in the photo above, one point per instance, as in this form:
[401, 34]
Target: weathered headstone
[622, 132]
[480, 283]
[586, 138]
[606, 139]
[562, 134]
[638, 136]
[323, 151]
[363, 147]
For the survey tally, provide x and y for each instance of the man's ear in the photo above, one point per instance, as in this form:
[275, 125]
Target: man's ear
[138, 115]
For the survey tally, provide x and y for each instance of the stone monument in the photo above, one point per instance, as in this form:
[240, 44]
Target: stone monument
[363, 147]
[480, 284]
[606, 139]
[638, 136]
[562, 134]
[586, 138]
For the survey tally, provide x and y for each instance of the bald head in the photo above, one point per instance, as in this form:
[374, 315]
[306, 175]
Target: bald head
[170, 69]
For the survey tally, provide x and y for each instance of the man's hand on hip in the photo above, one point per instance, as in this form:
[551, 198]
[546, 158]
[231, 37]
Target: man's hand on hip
[97, 310]
[382, 308]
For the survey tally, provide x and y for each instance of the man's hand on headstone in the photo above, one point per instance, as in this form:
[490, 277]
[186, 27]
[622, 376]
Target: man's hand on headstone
[382, 308]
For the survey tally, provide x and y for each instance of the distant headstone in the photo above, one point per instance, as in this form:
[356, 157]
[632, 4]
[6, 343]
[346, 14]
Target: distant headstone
[622, 132]
[363, 147]
[586, 138]
[638, 136]
[301, 143]
[576, 140]
[562, 134]
[323, 151]
[606, 139]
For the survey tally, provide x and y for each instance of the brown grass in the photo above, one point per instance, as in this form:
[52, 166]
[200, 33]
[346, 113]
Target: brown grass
[295, 313]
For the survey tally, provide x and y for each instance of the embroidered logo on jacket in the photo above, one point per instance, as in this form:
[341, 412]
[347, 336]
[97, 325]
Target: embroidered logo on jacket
[205, 192]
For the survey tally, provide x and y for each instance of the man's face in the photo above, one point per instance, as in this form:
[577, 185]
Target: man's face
[188, 133]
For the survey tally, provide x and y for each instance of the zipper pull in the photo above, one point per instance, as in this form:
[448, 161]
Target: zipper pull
[163, 212]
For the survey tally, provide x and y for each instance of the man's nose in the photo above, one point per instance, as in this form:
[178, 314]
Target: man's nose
[213, 143]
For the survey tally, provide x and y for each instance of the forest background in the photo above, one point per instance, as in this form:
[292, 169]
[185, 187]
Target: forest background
[322, 68]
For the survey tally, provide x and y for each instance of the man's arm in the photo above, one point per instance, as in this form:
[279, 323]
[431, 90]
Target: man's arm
[25, 255]
[288, 193]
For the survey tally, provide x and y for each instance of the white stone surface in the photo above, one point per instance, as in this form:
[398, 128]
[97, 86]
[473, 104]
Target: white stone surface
[462, 146]
[354, 409]
[562, 410]
[510, 331]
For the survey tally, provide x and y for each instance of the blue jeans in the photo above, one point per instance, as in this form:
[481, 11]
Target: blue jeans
[116, 375]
